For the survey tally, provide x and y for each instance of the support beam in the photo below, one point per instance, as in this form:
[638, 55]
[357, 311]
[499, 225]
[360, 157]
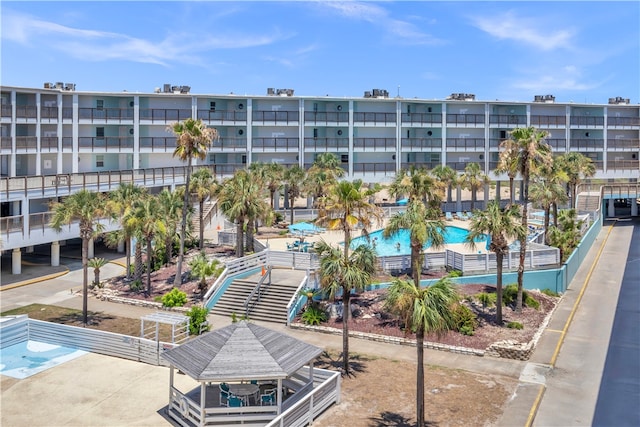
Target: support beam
[16, 261]
[55, 254]
[634, 207]
[611, 209]
[91, 249]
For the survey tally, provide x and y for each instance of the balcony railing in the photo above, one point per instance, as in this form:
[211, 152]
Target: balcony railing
[49, 112]
[67, 144]
[226, 144]
[222, 116]
[275, 144]
[428, 165]
[459, 166]
[165, 114]
[466, 143]
[105, 114]
[67, 113]
[557, 144]
[508, 119]
[548, 120]
[284, 117]
[374, 143]
[587, 121]
[108, 142]
[621, 144]
[421, 143]
[5, 143]
[343, 166]
[375, 168]
[623, 165]
[325, 144]
[49, 143]
[158, 143]
[325, 117]
[26, 111]
[10, 224]
[421, 118]
[587, 144]
[623, 121]
[375, 118]
[226, 169]
[24, 143]
[465, 119]
[40, 221]
[6, 110]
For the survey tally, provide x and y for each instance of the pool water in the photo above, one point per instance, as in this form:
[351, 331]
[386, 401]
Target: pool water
[389, 247]
[31, 357]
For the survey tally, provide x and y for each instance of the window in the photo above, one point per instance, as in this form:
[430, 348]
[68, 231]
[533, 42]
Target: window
[100, 132]
[344, 158]
[99, 104]
[315, 133]
[212, 106]
[100, 161]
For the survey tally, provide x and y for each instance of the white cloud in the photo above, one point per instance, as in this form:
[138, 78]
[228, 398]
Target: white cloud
[509, 26]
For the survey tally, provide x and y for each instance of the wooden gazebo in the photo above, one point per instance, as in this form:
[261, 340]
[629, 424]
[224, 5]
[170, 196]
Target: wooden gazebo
[242, 352]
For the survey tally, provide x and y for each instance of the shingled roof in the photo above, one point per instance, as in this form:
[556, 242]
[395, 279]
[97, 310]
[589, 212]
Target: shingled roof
[241, 351]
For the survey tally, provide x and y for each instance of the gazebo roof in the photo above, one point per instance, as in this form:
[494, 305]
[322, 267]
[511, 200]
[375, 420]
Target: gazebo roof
[241, 351]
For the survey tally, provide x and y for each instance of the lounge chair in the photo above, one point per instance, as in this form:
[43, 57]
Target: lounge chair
[461, 216]
[448, 216]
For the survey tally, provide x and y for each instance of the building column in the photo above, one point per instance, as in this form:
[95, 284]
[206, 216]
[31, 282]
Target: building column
[121, 247]
[16, 261]
[634, 207]
[91, 252]
[611, 210]
[55, 254]
[458, 198]
[487, 188]
[276, 200]
[522, 190]
[498, 192]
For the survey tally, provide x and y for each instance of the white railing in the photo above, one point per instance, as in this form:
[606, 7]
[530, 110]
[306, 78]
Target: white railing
[294, 303]
[233, 268]
[534, 259]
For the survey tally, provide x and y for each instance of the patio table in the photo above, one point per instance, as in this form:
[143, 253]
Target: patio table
[244, 391]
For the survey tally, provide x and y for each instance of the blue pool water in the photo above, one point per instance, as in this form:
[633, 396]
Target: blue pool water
[389, 247]
[30, 357]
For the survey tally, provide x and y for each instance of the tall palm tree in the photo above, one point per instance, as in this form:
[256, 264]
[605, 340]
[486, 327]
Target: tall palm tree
[423, 310]
[577, 166]
[324, 173]
[473, 179]
[170, 204]
[532, 153]
[272, 175]
[118, 204]
[508, 163]
[293, 178]
[421, 231]
[499, 224]
[548, 193]
[87, 208]
[145, 219]
[446, 176]
[194, 139]
[416, 183]
[341, 273]
[203, 186]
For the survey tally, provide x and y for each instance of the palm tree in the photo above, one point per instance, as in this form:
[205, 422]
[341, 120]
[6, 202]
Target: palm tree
[204, 186]
[272, 175]
[421, 231]
[567, 235]
[144, 218]
[97, 264]
[446, 176]
[422, 310]
[86, 207]
[418, 184]
[324, 173]
[473, 179]
[548, 193]
[342, 273]
[194, 139]
[201, 268]
[532, 153]
[348, 206]
[294, 177]
[170, 204]
[508, 163]
[577, 166]
[499, 225]
[118, 204]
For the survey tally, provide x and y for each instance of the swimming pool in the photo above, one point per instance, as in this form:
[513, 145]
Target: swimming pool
[30, 357]
[389, 247]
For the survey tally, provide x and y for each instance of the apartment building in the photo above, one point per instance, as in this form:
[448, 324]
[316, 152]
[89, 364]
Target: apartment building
[55, 140]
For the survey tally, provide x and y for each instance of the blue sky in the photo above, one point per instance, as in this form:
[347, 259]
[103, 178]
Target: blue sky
[578, 51]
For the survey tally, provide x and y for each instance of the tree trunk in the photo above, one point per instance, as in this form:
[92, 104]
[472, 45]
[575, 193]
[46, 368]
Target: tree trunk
[183, 230]
[85, 278]
[201, 221]
[420, 377]
[149, 249]
[547, 208]
[127, 249]
[250, 234]
[96, 277]
[137, 274]
[473, 199]
[291, 199]
[574, 190]
[512, 198]
[346, 311]
[555, 215]
[523, 240]
[168, 243]
[499, 260]
[240, 238]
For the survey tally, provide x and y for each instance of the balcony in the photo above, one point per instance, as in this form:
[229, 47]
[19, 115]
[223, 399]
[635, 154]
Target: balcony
[326, 144]
[623, 121]
[543, 121]
[428, 165]
[227, 169]
[375, 144]
[165, 114]
[158, 143]
[26, 143]
[67, 144]
[275, 117]
[49, 143]
[465, 144]
[326, 118]
[374, 118]
[26, 111]
[459, 166]
[508, 119]
[557, 144]
[49, 112]
[587, 121]
[465, 119]
[586, 144]
[5, 143]
[104, 114]
[619, 165]
[275, 144]
[421, 144]
[67, 113]
[421, 118]
[223, 117]
[6, 110]
[229, 144]
[108, 143]
[623, 144]
[374, 168]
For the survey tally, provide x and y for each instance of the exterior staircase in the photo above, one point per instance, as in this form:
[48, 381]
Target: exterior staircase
[210, 208]
[274, 298]
[588, 202]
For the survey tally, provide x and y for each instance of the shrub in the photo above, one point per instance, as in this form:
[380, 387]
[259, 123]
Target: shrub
[235, 318]
[510, 295]
[549, 292]
[454, 273]
[136, 285]
[487, 299]
[313, 316]
[174, 298]
[464, 319]
[197, 315]
[514, 325]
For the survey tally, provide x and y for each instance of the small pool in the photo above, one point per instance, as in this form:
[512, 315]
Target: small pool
[30, 357]
[390, 247]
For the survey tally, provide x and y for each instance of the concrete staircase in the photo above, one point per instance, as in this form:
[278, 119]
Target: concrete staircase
[588, 202]
[272, 306]
[209, 206]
